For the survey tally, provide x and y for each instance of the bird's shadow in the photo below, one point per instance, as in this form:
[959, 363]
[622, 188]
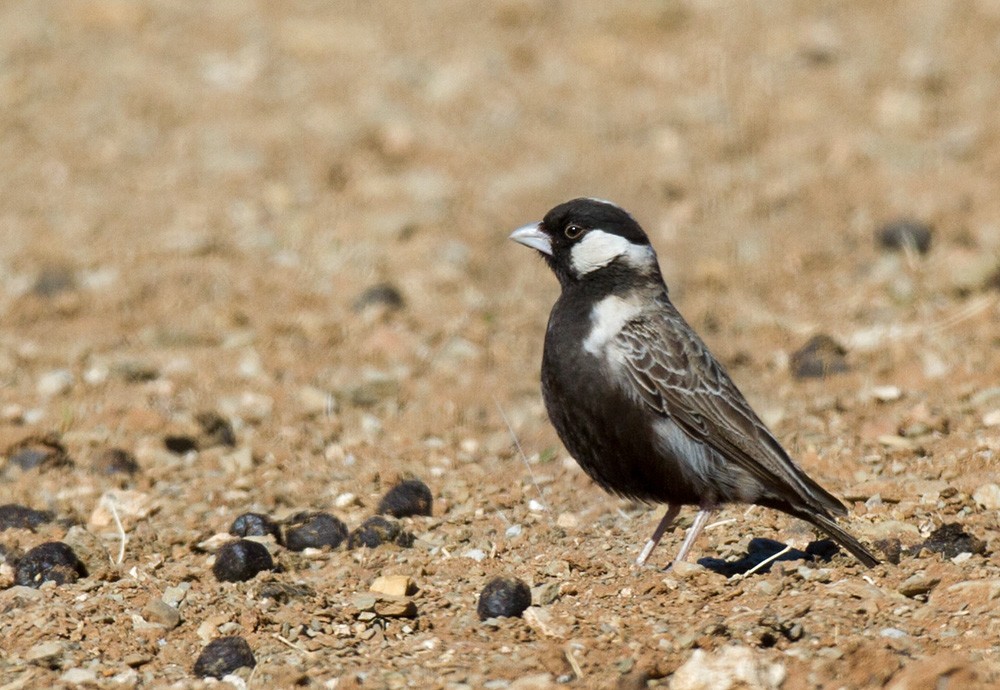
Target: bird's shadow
[760, 550]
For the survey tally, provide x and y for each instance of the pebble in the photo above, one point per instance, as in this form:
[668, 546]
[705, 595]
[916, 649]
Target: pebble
[905, 233]
[543, 622]
[115, 461]
[52, 561]
[79, 676]
[893, 633]
[987, 496]
[409, 497]
[478, 555]
[223, 656]
[13, 515]
[130, 506]
[732, 666]
[161, 613]
[992, 418]
[821, 356]
[214, 430]
[314, 530]
[384, 295]
[395, 607]
[918, 584]
[38, 452]
[567, 520]
[543, 595]
[503, 597]
[53, 383]
[378, 530]
[513, 531]
[393, 585]
[255, 525]
[887, 393]
[45, 653]
[241, 560]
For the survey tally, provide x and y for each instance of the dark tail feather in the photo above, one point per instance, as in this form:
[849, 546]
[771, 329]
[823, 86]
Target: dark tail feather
[841, 536]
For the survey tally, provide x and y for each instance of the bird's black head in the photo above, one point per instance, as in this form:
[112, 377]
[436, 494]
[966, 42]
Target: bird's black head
[584, 239]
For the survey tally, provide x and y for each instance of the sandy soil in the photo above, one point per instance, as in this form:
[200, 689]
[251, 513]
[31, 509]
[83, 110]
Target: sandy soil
[195, 197]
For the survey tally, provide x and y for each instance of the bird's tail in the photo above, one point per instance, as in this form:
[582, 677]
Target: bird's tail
[842, 537]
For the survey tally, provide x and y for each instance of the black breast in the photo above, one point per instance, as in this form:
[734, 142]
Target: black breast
[611, 436]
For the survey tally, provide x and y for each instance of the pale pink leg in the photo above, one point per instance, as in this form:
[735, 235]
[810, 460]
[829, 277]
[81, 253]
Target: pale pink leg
[667, 520]
[700, 520]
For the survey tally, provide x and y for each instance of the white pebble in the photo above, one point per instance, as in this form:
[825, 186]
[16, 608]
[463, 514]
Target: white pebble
[514, 531]
[478, 555]
[54, 383]
[535, 506]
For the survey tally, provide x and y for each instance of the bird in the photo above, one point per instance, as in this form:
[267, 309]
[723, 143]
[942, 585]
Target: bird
[636, 396]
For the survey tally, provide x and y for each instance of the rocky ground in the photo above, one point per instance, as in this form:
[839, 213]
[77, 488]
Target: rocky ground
[259, 250]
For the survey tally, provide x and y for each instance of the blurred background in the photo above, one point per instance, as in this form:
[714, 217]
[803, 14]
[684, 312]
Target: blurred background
[295, 214]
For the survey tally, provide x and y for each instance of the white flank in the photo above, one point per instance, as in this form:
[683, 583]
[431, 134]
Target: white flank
[597, 249]
[606, 319]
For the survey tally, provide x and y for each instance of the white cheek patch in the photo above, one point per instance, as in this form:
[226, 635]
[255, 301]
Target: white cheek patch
[597, 249]
[606, 320]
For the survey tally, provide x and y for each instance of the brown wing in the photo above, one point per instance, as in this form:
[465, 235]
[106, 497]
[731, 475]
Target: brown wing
[672, 371]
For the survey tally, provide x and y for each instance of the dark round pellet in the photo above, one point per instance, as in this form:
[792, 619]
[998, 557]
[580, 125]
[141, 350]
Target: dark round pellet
[503, 596]
[409, 497]
[115, 461]
[378, 530]
[38, 452]
[820, 357]
[315, 530]
[240, 560]
[13, 515]
[52, 561]
[180, 444]
[905, 233]
[216, 430]
[255, 525]
[383, 294]
[222, 656]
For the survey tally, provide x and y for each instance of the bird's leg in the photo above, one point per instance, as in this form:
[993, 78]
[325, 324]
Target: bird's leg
[696, 527]
[668, 518]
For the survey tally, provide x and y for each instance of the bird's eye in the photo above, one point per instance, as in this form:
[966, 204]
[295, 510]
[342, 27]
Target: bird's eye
[573, 231]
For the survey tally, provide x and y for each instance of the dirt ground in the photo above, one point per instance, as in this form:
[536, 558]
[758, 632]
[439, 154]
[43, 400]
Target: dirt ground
[195, 198]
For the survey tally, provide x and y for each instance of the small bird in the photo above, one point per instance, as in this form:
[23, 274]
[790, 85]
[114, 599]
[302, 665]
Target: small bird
[636, 396]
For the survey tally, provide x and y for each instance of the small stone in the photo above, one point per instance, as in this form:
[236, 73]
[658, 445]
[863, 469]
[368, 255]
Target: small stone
[887, 393]
[255, 525]
[685, 569]
[46, 653]
[41, 452]
[53, 383]
[383, 295]
[918, 584]
[173, 596]
[345, 500]
[13, 515]
[543, 622]
[223, 656]
[52, 561]
[392, 607]
[79, 676]
[54, 279]
[314, 530]
[732, 666]
[543, 595]
[378, 530]
[567, 521]
[992, 418]
[893, 633]
[215, 430]
[513, 531]
[115, 461]
[503, 597]
[241, 560]
[478, 555]
[161, 613]
[136, 659]
[364, 602]
[905, 234]
[987, 496]
[129, 505]
[393, 585]
[409, 497]
[820, 357]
